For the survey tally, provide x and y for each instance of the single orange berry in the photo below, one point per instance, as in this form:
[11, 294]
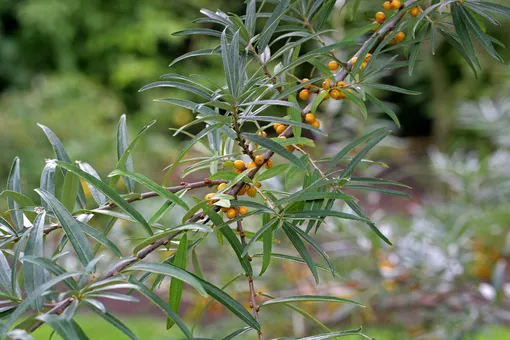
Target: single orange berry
[310, 117]
[221, 186]
[231, 213]
[280, 129]
[242, 191]
[364, 65]
[259, 160]
[240, 165]
[335, 94]
[262, 133]
[316, 124]
[243, 210]
[209, 196]
[340, 84]
[368, 57]
[224, 209]
[257, 184]
[395, 4]
[326, 84]
[415, 11]
[387, 5]
[304, 80]
[304, 94]
[268, 164]
[252, 192]
[276, 126]
[252, 165]
[333, 65]
[400, 36]
[380, 17]
[290, 148]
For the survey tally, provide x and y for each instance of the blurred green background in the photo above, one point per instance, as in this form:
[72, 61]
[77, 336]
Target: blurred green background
[76, 67]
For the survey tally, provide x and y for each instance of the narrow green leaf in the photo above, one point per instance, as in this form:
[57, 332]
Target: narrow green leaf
[357, 159]
[62, 155]
[111, 319]
[196, 53]
[377, 189]
[384, 107]
[42, 290]
[71, 226]
[196, 264]
[459, 21]
[392, 88]
[318, 100]
[47, 181]
[163, 306]
[268, 225]
[161, 191]
[267, 239]
[309, 298]
[109, 192]
[272, 23]
[170, 270]
[176, 285]
[52, 268]
[351, 146]
[357, 101]
[232, 239]
[357, 209]
[13, 184]
[204, 132]
[301, 249]
[100, 238]
[70, 191]
[272, 172]
[322, 213]
[275, 147]
[96, 195]
[34, 276]
[235, 334]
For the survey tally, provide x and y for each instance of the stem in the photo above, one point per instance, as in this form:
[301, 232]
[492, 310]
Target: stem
[253, 295]
[58, 309]
[241, 141]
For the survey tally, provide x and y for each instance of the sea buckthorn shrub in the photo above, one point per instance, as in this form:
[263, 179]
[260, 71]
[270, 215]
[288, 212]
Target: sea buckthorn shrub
[247, 144]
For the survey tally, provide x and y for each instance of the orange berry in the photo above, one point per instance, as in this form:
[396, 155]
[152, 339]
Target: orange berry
[262, 133]
[240, 165]
[304, 80]
[252, 165]
[368, 57]
[276, 126]
[268, 164]
[252, 192]
[231, 213]
[326, 84]
[309, 118]
[400, 37]
[333, 65]
[224, 209]
[259, 160]
[242, 191]
[257, 184]
[290, 148]
[395, 4]
[316, 124]
[387, 5]
[415, 11]
[209, 196]
[380, 17]
[335, 94]
[340, 84]
[280, 129]
[375, 29]
[243, 210]
[221, 186]
[364, 64]
[304, 94]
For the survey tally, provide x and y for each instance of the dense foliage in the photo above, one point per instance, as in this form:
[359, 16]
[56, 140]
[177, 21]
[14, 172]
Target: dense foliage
[262, 89]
